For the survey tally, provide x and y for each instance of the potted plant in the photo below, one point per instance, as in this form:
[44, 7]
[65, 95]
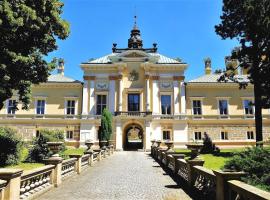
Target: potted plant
[105, 128]
[195, 148]
[55, 147]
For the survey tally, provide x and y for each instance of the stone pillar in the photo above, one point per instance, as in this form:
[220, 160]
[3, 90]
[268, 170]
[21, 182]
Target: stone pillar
[85, 110]
[120, 93]
[222, 191]
[191, 174]
[147, 91]
[78, 166]
[183, 97]
[177, 156]
[176, 96]
[155, 99]
[119, 137]
[56, 174]
[92, 95]
[2, 186]
[112, 94]
[147, 136]
[13, 178]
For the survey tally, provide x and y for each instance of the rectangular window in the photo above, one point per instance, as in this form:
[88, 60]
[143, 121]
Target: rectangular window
[248, 106]
[101, 103]
[37, 133]
[197, 107]
[69, 135]
[40, 109]
[224, 135]
[223, 107]
[11, 106]
[166, 104]
[197, 136]
[166, 135]
[70, 107]
[250, 135]
[133, 102]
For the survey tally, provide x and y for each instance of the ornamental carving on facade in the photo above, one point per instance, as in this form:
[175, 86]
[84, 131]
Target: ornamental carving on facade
[133, 76]
[102, 86]
[166, 85]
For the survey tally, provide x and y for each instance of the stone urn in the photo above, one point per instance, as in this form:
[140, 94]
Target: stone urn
[195, 149]
[89, 144]
[169, 145]
[111, 142]
[55, 148]
[103, 144]
[158, 143]
[153, 143]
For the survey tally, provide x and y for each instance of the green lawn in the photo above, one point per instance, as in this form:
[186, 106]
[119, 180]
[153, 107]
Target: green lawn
[212, 161]
[26, 166]
[71, 150]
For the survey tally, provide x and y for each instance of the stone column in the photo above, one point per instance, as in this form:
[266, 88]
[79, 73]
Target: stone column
[190, 164]
[176, 96]
[92, 95]
[112, 94]
[85, 99]
[119, 137]
[155, 99]
[147, 136]
[13, 178]
[56, 174]
[222, 177]
[120, 93]
[78, 167]
[183, 97]
[147, 92]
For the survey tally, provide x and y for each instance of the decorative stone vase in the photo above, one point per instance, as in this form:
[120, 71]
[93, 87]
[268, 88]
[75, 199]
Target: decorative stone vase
[158, 143]
[55, 148]
[103, 144]
[195, 150]
[153, 143]
[169, 144]
[111, 142]
[89, 144]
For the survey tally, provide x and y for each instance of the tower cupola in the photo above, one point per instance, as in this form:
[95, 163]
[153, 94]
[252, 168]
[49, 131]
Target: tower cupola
[135, 41]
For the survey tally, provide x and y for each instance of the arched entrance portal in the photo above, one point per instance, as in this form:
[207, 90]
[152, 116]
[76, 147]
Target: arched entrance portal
[133, 137]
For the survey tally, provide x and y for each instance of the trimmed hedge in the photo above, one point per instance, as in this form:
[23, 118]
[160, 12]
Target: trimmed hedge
[11, 147]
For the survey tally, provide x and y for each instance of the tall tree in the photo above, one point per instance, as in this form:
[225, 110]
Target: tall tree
[249, 22]
[106, 125]
[28, 32]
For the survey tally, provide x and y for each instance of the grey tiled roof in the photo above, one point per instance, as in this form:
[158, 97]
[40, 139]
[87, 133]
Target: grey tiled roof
[61, 79]
[213, 78]
[162, 59]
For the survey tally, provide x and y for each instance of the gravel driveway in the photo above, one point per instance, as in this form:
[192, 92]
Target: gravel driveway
[125, 175]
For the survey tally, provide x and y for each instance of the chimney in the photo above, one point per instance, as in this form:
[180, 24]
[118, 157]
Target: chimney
[61, 67]
[231, 64]
[207, 66]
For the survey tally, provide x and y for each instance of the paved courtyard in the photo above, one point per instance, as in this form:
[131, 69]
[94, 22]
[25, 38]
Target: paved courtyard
[125, 175]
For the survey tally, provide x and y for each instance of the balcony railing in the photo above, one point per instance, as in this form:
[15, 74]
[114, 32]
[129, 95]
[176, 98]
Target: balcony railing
[132, 113]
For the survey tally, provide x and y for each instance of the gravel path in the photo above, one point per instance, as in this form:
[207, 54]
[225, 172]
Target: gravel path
[123, 176]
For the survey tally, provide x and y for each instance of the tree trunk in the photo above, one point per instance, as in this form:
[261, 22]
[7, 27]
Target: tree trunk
[258, 114]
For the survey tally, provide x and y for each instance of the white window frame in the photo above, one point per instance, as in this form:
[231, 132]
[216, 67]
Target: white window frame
[227, 133]
[192, 110]
[160, 104]
[170, 133]
[107, 99]
[76, 105]
[45, 105]
[253, 108]
[7, 106]
[68, 138]
[194, 135]
[228, 107]
[250, 131]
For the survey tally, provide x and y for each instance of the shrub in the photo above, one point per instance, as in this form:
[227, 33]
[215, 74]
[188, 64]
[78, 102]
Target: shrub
[10, 147]
[255, 162]
[106, 125]
[40, 150]
[209, 146]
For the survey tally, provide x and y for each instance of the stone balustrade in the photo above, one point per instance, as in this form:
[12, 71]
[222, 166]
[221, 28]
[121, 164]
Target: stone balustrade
[16, 184]
[205, 183]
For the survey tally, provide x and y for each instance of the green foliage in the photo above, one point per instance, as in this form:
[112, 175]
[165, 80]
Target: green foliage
[10, 147]
[40, 150]
[209, 146]
[248, 21]
[28, 33]
[106, 125]
[255, 162]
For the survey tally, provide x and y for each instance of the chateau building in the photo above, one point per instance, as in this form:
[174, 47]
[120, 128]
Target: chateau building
[149, 98]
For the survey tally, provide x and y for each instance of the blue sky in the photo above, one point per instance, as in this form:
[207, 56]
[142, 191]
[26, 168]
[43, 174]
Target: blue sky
[182, 28]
